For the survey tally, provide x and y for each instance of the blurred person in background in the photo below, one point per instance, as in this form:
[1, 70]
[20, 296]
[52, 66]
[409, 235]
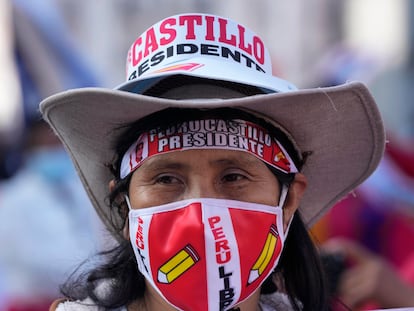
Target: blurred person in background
[11, 107]
[368, 280]
[38, 57]
[45, 225]
[373, 230]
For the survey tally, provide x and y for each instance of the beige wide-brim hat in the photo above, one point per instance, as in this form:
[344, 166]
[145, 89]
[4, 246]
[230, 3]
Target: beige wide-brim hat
[340, 126]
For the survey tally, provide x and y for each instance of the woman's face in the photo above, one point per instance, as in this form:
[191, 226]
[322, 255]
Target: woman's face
[221, 174]
[193, 174]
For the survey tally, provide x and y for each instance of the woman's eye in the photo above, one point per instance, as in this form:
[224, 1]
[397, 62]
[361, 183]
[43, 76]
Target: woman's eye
[233, 177]
[167, 179]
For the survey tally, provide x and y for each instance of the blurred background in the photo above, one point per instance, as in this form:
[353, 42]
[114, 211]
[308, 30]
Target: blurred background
[46, 46]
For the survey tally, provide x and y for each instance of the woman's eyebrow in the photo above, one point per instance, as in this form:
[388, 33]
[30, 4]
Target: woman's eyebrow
[160, 164]
[237, 160]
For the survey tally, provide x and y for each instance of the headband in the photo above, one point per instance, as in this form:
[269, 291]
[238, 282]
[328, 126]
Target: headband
[238, 135]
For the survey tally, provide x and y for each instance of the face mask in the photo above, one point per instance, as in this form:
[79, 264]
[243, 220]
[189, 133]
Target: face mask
[207, 254]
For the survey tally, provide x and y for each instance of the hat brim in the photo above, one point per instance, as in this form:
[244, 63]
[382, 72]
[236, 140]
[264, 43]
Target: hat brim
[340, 127]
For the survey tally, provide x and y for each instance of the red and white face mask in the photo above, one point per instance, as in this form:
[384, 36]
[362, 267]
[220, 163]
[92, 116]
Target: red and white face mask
[207, 254]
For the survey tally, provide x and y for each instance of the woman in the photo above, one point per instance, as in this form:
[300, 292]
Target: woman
[209, 156]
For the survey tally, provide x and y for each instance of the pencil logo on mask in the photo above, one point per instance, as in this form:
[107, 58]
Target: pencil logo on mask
[265, 256]
[178, 265]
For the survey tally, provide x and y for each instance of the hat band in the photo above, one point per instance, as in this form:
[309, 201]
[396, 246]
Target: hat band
[238, 135]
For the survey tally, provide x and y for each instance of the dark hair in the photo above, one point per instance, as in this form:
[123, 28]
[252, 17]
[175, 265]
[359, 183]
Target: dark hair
[299, 265]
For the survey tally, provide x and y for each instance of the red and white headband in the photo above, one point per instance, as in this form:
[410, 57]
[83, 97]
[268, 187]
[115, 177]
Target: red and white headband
[238, 135]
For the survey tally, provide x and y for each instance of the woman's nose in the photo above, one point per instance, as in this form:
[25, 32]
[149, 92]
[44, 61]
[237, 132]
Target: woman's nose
[202, 187]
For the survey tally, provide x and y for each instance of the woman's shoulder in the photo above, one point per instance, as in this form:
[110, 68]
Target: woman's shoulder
[79, 305]
[276, 301]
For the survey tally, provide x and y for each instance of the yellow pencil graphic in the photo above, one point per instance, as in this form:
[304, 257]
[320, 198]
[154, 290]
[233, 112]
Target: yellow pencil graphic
[265, 256]
[178, 264]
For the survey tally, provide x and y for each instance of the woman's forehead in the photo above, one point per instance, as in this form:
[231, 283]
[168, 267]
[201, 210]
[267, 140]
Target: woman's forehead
[202, 157]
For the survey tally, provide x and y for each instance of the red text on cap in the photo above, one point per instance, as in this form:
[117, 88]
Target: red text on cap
[165, 32]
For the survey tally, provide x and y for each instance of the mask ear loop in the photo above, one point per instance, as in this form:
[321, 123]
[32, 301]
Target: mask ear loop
[128, 202]
[283, 195]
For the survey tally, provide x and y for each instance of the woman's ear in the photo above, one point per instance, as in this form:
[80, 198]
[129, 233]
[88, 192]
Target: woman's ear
[111, 185]
[293, 199]
[121, 202]
[125, 230]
